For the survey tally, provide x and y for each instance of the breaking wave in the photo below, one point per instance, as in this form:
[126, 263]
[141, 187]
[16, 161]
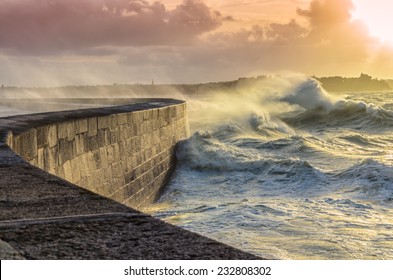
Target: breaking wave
[288, 172]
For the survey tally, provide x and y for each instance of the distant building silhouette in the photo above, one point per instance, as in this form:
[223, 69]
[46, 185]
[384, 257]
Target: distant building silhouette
[362, 83]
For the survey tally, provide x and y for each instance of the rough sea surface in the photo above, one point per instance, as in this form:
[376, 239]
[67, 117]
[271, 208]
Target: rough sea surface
[286, 170]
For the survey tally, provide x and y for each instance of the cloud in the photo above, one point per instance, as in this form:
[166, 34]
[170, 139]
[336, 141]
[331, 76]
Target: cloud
[327, 13]
[331, 43]
[46, 27]
[126, 41]
[289, 31]
[331, 21]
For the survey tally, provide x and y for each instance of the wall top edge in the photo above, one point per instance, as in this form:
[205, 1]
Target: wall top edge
[21, 123]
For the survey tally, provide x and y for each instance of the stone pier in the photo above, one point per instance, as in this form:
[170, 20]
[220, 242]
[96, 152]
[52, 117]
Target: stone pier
[72, 185]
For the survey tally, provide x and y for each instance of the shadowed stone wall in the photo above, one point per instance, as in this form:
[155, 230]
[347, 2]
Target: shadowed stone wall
[125, 153]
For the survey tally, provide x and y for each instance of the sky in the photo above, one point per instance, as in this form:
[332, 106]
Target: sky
[87, 42]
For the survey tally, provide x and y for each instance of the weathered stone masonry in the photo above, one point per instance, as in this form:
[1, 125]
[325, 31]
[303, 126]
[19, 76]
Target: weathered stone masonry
[126, 153]
[45, 217]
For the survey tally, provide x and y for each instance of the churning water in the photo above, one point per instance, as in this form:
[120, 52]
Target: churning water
[285, 170]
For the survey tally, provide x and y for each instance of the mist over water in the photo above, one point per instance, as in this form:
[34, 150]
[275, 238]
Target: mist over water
[277, 167]
[21, 101]
[286, 170]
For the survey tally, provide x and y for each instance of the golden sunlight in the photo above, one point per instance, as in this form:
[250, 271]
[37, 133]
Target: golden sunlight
[377, 15]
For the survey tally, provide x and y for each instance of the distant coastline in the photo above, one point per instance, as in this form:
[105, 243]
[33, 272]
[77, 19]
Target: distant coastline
[332, 84]
[362, 83]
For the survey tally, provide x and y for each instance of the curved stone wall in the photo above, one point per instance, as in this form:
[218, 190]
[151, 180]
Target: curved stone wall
[125, 153]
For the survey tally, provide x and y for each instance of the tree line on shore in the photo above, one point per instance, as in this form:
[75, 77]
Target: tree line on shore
[332, 84]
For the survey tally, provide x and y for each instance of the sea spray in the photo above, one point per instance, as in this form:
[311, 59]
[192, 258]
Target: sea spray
[287, 170]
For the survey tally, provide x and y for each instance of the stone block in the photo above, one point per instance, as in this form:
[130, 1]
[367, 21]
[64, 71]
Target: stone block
[108, 174]
[42, 136]
[80, 144]
[154, 150]
[137, 117]
[144, 167]
[67, 150]
[84, 165]
[157, 170]
[150, 126]
[34, 161]
[172, 112]
[138, 158]
[142, 127]
[161, 112]
[107, 137]
[156, 137]
[50, 158]
[92, 143]
[117, 184]
[103, 157]
[100, 137]
[128, 145]
[40, 158]
[76, 170]
[26, 144]
[148, 154]
[161, 122]
[100, 184]
[62, 130]
[91, 163]
[109, 153]
[104, 122]
[128, 165]
[97, 159]
[136, 128]
[33, 143]
[114, 136]
[117, 170]
[90, 183]
[146, 115]
[147, 140]
[92, 127]
[70, 131]
[113, 122]
[130, 117]
[123, 133]
[59, 171]
[123, 150]
[136, 143]
[130, 177]
[154, 114]
[81, 126]
[52, 136]
[67, 171]
[116, 152]
[83, 183]
[121, 118]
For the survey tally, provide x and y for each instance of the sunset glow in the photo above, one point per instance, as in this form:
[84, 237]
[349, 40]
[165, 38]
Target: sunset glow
[377, 15]
[61, 42]
[265, 125]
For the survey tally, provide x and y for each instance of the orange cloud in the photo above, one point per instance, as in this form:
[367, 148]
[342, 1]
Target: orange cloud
[136, 40]
[327, 13]
[42, 26]
[330, 42]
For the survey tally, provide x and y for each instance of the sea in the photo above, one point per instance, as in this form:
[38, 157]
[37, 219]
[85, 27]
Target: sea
[283, 169]
[286, 170]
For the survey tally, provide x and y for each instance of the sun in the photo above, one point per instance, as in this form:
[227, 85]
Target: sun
[378, 17]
